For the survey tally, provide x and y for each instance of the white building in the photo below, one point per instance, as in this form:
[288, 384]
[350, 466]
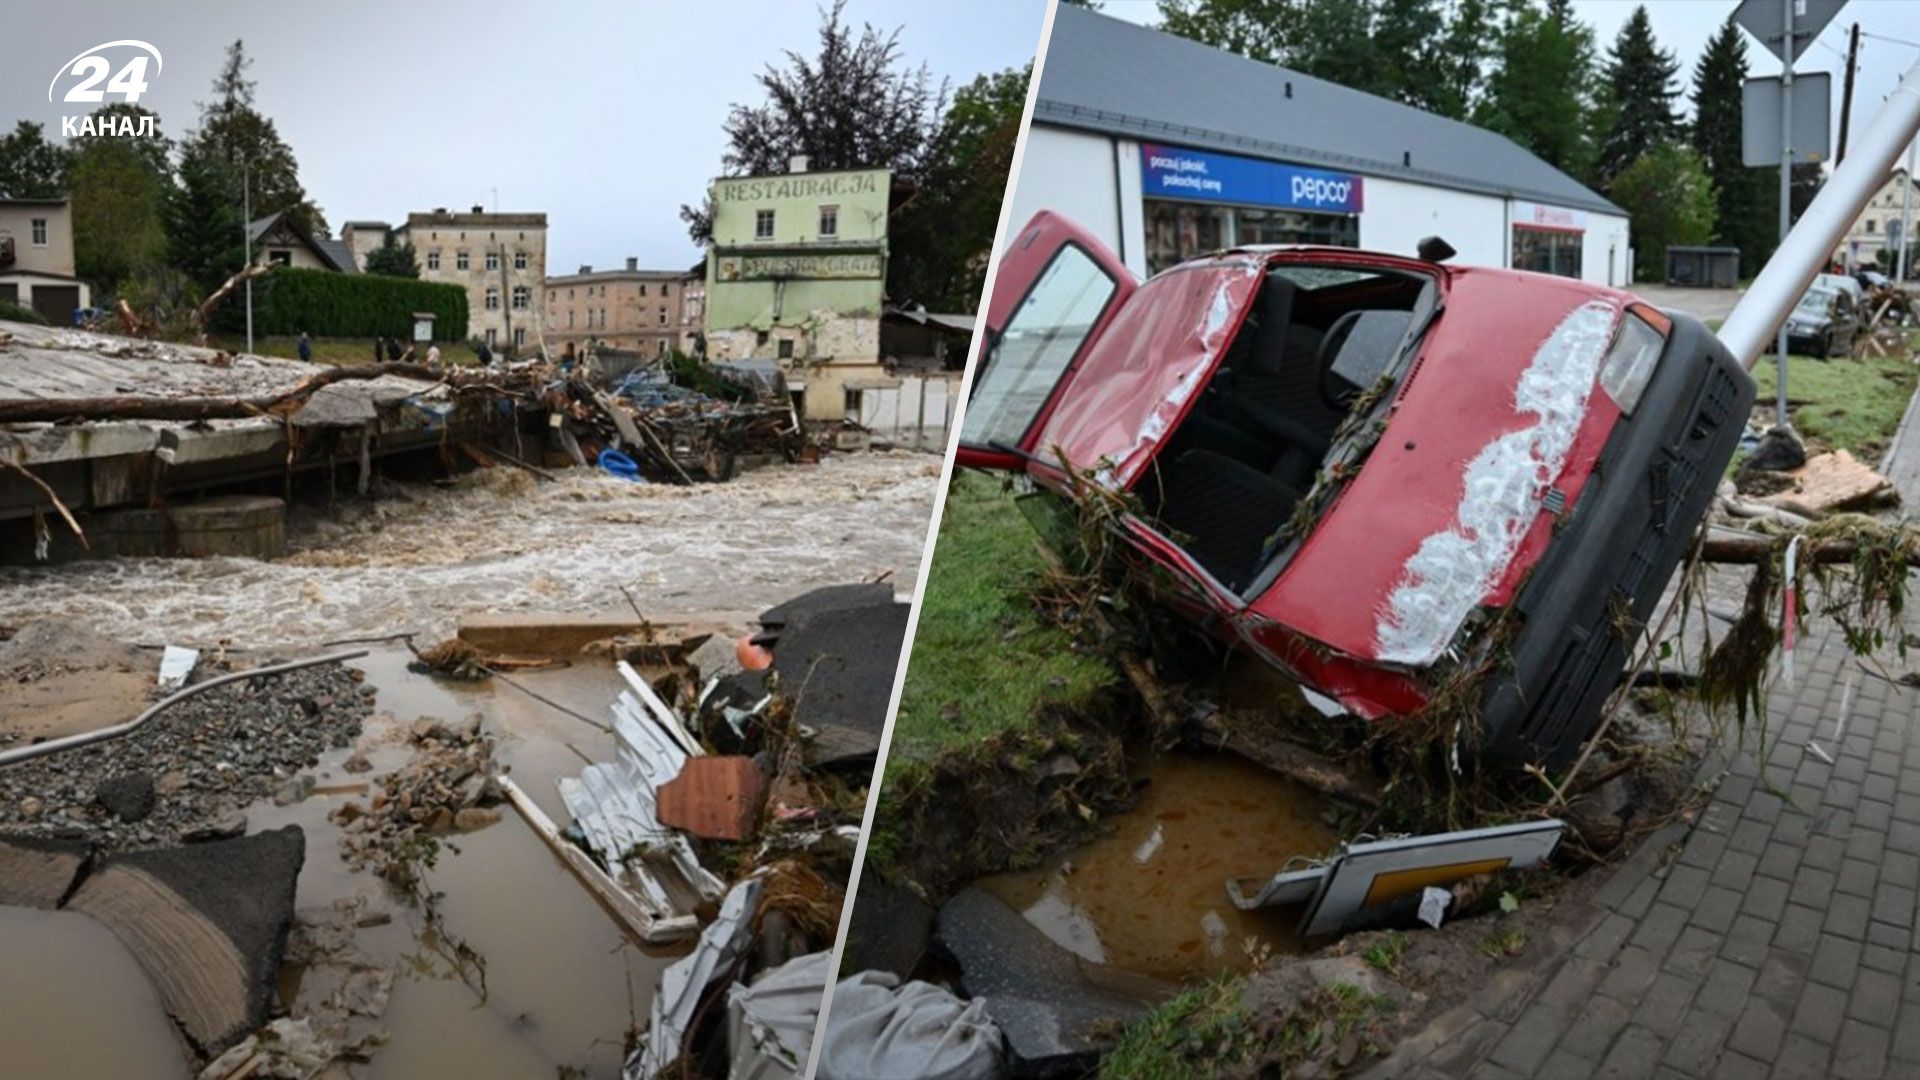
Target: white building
[1167, 149]
[1877, 229]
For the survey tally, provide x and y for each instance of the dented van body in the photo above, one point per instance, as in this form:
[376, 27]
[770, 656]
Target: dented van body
[1375, 472]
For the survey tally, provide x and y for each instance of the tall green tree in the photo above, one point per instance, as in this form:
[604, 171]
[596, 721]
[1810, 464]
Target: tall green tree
[941, 236]
[204, 222]
[1747, 198]
[1539, 91]
[393, 260]
[854, 104]
[234, 133]
[119, 208]
[1641, 88]
[1427, 53]
[30, 166]
[1669, 199]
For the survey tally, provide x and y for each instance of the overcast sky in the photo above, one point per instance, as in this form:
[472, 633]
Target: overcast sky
[605, 115]
[1682, 27]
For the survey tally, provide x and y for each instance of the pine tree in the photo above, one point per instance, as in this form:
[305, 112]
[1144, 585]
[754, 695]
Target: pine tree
[1748, 197]
[1538, 92]
[204, 222]
[1640, 83]
[393, 260]
[234, 133]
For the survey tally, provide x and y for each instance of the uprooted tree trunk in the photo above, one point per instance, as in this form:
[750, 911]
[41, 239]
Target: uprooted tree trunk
[201, 313]
[52, 410]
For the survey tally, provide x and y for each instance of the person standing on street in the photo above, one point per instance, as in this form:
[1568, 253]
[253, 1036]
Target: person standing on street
[306, 347]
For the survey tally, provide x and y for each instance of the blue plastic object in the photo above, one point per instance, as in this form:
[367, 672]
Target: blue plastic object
[621, 465]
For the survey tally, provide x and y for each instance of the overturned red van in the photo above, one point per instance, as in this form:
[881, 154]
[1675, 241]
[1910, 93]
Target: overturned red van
[1356, 464]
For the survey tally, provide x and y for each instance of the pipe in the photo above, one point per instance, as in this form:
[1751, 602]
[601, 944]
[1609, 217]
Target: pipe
[87, 738]
[1806, 249]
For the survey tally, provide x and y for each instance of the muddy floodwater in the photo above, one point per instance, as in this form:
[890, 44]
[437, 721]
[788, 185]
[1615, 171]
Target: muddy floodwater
[1150, 896]
[564, 985]
[420, 556]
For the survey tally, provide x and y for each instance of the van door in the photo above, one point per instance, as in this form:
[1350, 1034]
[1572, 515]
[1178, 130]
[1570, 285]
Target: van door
[1058, 288]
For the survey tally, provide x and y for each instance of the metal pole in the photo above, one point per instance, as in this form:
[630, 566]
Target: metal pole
[1780, 417]
[246, 240]
[1807, 248]
[1906, 223]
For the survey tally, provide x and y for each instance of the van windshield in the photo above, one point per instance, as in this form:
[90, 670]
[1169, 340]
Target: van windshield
[1035, 347]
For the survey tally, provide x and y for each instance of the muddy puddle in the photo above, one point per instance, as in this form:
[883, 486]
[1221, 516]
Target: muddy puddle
[563, 984]
[494, 541]
[1150, 896]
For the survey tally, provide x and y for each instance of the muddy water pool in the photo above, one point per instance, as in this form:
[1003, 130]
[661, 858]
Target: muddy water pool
[564, 984]
[1150, 896]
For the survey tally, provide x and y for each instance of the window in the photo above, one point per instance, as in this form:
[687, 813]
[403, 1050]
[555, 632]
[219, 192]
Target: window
[519, 336]
[829, 221]
[493, 337]
[493, 298]
[786, 348]
[493, 260]
[763, 224]
[1547, 251]
[643, 288]
[433, 260]
[39, 232]
[853, 404]
[760, 338]
[522, 298]
[459, 260]
[1038, 342]
[663, 314]
[519, 260]
[1871, 224]
[569, 294]
[569, 318]
[280, 257]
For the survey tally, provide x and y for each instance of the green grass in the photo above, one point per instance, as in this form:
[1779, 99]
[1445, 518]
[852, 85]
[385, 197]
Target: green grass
[1198, 1033]
[983, 661]
[336, 350]
[1844, 404]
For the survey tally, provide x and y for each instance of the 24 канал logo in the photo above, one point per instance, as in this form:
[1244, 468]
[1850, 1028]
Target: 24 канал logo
[86, 74]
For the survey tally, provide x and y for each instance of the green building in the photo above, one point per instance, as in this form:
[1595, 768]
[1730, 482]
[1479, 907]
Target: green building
[796, 272]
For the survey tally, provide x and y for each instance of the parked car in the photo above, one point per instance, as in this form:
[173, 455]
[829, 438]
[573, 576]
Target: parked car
[1354, 464]
[1824, 323]
[1845, 283]
[1871, 279]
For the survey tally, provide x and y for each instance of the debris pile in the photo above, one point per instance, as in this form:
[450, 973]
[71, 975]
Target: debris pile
[451, 784]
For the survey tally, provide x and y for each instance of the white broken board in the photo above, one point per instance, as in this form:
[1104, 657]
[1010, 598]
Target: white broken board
[1365, 877]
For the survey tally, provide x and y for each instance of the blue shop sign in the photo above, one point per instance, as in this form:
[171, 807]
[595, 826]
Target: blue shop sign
[1173, 172]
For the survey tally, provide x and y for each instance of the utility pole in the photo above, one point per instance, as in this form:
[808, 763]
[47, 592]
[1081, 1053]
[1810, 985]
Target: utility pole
[1846, 94]
[246, 240]
[506, 302]
[1780, 418]
[1906, 225]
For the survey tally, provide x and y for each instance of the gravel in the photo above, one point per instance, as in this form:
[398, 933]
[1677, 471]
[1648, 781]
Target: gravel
[207, 758]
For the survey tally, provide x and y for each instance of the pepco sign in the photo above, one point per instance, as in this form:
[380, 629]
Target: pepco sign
[1173, 172]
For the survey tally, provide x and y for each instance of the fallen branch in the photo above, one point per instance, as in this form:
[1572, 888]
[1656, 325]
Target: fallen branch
[54, 410]
[1754, 550]
[47, 490]
[199, 315]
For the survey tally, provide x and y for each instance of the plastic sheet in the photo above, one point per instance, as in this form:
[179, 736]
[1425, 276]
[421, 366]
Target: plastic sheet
[880, 1028]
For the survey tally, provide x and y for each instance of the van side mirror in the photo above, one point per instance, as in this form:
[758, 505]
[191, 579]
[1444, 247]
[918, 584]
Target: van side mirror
[1435, 250]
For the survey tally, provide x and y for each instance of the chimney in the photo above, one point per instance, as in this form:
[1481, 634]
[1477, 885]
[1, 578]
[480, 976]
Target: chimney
[632, 264]
[797, 163]
[440, 211]
[586, 269]
[478, 209]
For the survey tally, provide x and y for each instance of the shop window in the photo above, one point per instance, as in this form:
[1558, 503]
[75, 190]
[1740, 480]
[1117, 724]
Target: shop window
[1547, 251]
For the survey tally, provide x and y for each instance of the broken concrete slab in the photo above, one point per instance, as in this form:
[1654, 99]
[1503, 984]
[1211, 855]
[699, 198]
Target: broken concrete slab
[827, 598]
[893, 932]
[1059, 1013]
[713, 797]
[837, 665]
[538, 633]
[37, 872]
[208, 923]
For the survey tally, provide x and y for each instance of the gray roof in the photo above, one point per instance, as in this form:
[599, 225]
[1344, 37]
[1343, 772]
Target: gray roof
[1106, 75]
[328, 249]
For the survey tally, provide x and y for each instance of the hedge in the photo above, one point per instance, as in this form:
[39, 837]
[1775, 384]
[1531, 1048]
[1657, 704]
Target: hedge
[292, 300]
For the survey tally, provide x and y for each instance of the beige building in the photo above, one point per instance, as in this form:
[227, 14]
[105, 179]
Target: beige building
[1877, 228]
[36, 259]
[632, 309]
[693, 311]
[500, 259]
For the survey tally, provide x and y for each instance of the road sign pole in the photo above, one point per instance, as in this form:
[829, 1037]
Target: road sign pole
[1780, 417]
[1906, 226]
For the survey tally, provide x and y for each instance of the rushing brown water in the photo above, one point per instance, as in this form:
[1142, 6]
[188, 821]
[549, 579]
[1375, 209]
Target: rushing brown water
[564, 983]
[1150, 896]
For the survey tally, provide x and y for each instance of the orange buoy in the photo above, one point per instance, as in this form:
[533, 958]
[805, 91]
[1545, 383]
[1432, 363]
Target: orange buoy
[752, 657]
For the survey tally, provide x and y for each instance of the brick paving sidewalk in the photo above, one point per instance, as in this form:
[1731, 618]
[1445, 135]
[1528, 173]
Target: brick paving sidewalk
[1775, 937]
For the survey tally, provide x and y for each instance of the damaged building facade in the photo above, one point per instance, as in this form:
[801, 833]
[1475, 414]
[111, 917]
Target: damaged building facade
[796, 273]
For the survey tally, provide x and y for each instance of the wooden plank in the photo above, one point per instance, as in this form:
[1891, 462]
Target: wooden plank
[647, 925]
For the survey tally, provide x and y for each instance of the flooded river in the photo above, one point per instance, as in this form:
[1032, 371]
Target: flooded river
[420, 557]
[1150, 896]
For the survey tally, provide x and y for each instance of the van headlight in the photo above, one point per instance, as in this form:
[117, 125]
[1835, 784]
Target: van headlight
[1630, 363]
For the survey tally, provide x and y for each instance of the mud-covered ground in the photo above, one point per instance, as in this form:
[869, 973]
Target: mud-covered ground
[415, 558]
